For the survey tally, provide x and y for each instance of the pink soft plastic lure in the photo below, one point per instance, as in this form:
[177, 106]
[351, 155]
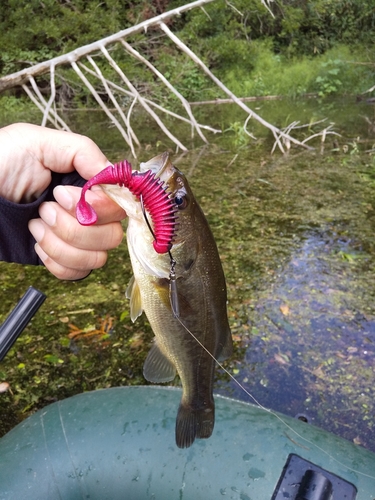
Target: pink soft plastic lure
[156, 200]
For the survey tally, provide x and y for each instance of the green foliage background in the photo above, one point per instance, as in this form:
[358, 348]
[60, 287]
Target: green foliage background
[322, 46]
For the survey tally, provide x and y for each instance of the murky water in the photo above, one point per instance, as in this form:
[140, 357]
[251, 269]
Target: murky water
[296, 236]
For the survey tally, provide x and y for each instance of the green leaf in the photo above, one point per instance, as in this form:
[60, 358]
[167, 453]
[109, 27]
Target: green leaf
[53, 359]
[124, 315]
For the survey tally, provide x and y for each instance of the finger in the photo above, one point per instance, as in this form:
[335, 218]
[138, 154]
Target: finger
[61, 272]
[106, 209]
[55, 150]
[63, 253]
[69, 230]
[65, 151]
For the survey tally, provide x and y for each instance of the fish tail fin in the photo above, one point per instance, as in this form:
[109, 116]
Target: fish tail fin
[194, 423]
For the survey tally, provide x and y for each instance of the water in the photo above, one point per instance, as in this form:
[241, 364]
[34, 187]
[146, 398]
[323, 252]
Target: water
[295, 234]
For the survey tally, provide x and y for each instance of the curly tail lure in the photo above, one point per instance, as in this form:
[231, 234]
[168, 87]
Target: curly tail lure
[153, 197]
[145, 185]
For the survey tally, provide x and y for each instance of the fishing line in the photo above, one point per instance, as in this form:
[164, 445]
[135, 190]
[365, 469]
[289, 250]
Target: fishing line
[269, 410]
[145, 216]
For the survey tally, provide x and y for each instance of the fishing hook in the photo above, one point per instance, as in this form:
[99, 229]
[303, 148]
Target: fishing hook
[173, 295]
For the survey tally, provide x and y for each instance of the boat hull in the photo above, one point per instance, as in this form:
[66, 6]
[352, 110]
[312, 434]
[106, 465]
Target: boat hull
[119, 443]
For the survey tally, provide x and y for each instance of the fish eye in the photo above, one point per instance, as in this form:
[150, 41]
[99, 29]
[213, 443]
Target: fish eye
[181, 201]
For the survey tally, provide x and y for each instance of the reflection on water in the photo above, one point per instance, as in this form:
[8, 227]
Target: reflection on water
[296, 237]
[312, 343]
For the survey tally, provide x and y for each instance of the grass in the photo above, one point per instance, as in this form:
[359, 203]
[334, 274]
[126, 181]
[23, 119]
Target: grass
[337, 72]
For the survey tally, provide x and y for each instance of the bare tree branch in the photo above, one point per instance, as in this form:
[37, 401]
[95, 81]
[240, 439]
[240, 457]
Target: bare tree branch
[115, 103]
[234, 98]
[141, 101]
[22, 76]
[26, 77]
[100, 101]
[52, 97]
[151, 103]
[184, 102]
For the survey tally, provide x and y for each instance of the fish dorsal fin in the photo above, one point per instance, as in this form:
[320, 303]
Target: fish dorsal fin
[134, 294]
[158, 368]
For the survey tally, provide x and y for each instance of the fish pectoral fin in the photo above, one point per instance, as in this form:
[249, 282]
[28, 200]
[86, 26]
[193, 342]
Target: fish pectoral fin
[158, 368]
[134, 294]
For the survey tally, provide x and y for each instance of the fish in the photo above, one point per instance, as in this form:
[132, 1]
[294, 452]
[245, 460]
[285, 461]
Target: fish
[187, 341]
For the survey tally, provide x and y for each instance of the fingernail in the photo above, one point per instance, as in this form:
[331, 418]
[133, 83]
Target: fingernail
[36, 228]
[41, 253]
[48, 213]
[63, 197]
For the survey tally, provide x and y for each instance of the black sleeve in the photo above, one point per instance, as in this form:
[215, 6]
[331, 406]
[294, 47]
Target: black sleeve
[16, 241]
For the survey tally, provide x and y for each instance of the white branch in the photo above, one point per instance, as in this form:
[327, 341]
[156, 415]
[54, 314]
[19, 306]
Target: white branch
[100, 102]
[267, 3]
[42, 105]
[184, 102]
[141, 101]
[245, 128]
[113, 99]
[151, 103]
[131, 132]
[234, 98]
[52, 97]
[22, 76]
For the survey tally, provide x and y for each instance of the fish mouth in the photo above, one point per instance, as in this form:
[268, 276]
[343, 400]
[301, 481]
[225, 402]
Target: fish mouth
[164, 169]
[160, 165]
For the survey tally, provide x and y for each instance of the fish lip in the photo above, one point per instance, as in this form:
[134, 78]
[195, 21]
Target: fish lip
[157, 165]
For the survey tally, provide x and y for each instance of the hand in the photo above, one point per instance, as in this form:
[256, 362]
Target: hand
[29, 154]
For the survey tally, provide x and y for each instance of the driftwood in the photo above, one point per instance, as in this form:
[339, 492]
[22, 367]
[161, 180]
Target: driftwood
[83, 62]
[248, 99]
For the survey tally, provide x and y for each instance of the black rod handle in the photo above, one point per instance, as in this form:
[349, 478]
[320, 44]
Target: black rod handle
[19, 318]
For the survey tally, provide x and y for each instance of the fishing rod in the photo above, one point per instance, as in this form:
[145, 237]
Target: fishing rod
[18, 319]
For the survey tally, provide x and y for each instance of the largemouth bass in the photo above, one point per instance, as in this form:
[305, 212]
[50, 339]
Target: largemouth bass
[201, 299]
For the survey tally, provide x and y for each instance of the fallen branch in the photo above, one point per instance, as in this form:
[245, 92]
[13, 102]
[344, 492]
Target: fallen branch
[151, 103]
[184, 102]
[121, 117]
[140, 99]
[276, 131]
[243, 99]
[21, 77]
[100, 102]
